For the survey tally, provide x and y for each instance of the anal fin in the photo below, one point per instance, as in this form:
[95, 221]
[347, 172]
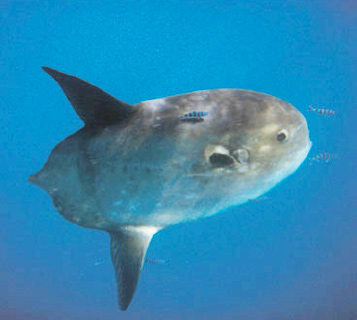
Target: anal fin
[128, 247]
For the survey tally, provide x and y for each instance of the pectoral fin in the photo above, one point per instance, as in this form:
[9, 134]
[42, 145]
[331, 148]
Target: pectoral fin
[128, 247]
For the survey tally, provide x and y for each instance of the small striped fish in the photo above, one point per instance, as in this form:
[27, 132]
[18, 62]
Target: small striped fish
[322, 111]
[193, 116]
[258, 199]
[155, 261]
[323, 157]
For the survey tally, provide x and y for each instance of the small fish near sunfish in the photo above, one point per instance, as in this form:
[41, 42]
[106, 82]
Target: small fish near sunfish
[322, 111]
[256, 200]
[195, 116]
[323, 157]
[155, 261]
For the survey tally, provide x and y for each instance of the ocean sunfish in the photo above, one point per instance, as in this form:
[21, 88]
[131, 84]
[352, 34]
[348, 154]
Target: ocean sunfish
[133, 170]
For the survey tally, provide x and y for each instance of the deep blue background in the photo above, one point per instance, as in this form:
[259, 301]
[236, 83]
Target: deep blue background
[292, 256]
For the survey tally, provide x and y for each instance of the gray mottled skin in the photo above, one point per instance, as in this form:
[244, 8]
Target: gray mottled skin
[149, 169]
[153, 170]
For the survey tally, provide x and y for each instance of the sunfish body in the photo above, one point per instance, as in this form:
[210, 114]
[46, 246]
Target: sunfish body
[133, 170]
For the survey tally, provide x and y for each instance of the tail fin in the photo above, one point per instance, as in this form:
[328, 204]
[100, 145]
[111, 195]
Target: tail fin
[128, 247]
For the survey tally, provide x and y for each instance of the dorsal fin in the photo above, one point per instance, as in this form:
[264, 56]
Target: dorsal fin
[128, 247]
[92, 104]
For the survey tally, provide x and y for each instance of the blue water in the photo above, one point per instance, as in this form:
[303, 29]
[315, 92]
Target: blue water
[290, 256]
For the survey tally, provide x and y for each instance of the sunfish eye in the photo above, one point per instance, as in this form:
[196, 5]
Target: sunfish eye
[220, 160]
[282, 135]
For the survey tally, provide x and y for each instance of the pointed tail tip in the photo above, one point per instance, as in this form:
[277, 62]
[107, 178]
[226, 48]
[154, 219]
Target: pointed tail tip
[52, 72]
[33, 178]
[123, 307]
[46, 69]
[124, 300]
